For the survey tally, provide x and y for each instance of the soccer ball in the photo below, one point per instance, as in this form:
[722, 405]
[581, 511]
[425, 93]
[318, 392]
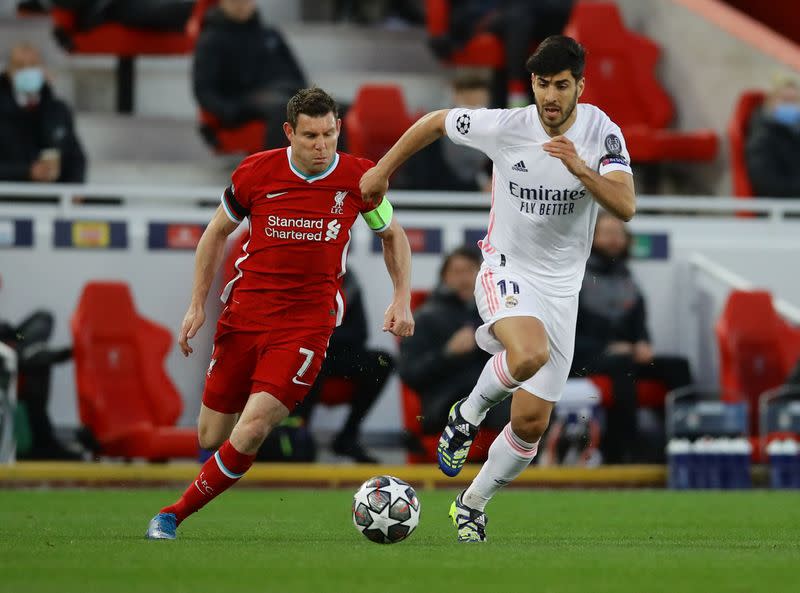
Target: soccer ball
[385, 509]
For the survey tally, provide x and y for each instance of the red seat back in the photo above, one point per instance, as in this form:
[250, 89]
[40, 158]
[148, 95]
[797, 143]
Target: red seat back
[620, 67]
[755, 346]
[377, 118]
[119, 40]
[738, 126]
[119, 364]
[246, 138]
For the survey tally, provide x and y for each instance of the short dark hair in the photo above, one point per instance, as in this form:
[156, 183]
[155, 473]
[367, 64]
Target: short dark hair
[313, 102]
[556, 54]
[464, 251]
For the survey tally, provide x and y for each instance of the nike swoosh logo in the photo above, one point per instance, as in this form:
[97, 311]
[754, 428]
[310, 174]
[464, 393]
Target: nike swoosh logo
[296, 382]
[276, 194]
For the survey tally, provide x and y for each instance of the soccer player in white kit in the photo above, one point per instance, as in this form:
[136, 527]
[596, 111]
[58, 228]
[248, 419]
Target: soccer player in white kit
[555, 163]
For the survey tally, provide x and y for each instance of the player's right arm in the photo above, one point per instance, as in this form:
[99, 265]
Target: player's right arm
[207, 260]
[430, 127]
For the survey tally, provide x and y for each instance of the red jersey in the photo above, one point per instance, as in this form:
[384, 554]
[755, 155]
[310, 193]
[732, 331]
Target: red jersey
[299, 233]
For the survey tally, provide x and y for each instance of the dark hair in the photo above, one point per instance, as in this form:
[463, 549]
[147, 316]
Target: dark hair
[555, 54]
[464, 251]
[313, 102]
[470, 81]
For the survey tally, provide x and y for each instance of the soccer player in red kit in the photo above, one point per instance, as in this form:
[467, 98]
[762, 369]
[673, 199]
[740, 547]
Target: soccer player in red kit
[281, 307]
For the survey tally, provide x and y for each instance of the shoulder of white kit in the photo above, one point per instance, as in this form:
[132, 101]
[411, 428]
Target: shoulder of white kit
[593, 114]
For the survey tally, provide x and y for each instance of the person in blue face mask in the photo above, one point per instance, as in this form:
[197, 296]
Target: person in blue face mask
[773, 142]
[37, 135]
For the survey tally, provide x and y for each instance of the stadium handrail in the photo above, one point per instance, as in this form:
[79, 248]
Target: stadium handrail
[733, 280]
[70, 197]
[747, 29]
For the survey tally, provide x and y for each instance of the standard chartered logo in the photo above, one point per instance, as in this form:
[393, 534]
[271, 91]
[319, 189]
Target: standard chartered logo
[302, 229]
[334, 227]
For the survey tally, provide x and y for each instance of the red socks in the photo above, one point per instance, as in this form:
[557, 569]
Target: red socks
[222, 470]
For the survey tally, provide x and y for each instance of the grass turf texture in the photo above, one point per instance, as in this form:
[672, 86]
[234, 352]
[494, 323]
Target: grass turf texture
[62, 541]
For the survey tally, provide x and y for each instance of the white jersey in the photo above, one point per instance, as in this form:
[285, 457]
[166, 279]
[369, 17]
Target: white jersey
[542, 218]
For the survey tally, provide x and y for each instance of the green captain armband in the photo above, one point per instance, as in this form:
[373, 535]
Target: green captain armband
[379, 218]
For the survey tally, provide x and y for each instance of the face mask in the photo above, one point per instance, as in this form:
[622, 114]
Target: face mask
[787, 114]
[29, 81]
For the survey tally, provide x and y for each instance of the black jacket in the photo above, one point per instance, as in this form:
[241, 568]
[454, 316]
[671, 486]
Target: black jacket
[772, 158]
[352, 334]
[25, 133]
[234, 59]
[440, 378]
[610, 309]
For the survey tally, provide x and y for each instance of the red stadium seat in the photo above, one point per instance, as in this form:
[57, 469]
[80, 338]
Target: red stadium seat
[484, 50]
[757, 349]
[377, 118]
[620, 79]
[127, 43]
[650, 393]
[246, 138]
[125, 397]
[738, 126]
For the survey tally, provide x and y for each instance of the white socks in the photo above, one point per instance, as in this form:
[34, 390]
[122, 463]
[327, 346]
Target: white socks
[494, 385]
[508, 456]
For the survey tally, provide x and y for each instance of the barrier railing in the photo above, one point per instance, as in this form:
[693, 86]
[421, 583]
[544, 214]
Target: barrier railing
[74, 196]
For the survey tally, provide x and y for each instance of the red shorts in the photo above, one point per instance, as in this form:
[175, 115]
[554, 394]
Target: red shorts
[280, 359]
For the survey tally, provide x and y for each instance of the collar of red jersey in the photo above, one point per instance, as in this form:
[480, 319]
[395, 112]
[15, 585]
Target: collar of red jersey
[311, 178]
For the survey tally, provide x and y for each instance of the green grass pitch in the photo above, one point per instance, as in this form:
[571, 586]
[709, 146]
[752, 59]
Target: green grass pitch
[293, 541]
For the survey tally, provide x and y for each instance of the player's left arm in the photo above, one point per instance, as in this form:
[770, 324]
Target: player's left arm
[397, 255]
[614, 191]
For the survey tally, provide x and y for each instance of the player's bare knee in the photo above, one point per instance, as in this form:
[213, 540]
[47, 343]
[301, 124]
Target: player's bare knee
[523, 363]
[209, 438]
[530, 428]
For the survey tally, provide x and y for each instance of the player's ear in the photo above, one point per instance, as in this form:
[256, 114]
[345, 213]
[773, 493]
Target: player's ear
[581, 86]
[288, 130]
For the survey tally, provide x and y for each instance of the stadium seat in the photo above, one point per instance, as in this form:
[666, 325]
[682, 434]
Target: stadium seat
[620, 74]
[246, 138]
[376, 119]
[650, 393]
[126, 399]
[738, 127]
[757, 349]
[126, 44]
[483, 50]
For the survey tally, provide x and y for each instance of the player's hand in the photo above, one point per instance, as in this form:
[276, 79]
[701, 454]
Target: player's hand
[374, 184]
[563, 149]
[623, 348]
[398, 319]
[462, 342]
[193, 320]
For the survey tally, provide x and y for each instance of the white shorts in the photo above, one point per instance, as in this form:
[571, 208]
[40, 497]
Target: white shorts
[500, 293]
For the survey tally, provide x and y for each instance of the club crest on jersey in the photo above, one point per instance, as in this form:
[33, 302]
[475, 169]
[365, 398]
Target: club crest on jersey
[338, 202]
[462, 124]
[511, 301]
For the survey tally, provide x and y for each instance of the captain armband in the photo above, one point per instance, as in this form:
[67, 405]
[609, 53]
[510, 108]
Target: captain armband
[379, 218]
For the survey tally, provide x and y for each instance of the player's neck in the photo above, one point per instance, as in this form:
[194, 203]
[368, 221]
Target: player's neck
[563, 128]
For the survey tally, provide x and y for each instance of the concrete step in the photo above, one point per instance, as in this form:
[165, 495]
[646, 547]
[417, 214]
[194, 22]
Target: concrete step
[212, 171]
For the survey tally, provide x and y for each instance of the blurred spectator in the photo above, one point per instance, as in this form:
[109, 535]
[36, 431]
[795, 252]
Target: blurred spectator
[37, 135]
[516, 22]
[244, 70]
[155, 15]
[349, 357]
[442, 361]
[445, 165]
[612, 337]
[794, 375]
[35, 361]
[396, 13]
[773, 143]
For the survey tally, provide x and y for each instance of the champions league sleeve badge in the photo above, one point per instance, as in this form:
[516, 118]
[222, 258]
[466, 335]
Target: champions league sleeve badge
[462, 125]
[613, 144]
